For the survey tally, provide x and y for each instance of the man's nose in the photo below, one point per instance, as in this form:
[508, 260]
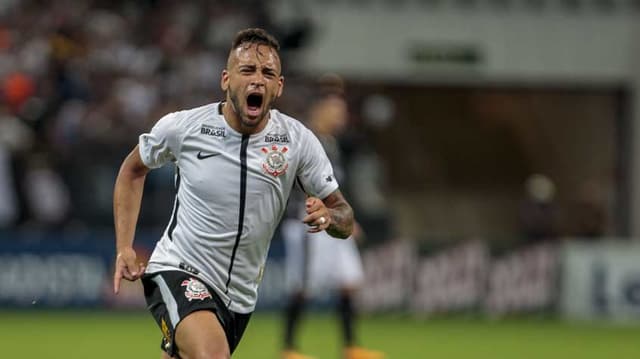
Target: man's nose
[258, 80]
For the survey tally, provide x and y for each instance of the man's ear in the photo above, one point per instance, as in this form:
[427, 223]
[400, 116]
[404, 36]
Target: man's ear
[280, 86]
[224, 80]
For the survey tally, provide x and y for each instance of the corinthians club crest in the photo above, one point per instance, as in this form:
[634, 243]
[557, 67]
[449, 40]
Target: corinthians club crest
[195, 289]
[275, 162]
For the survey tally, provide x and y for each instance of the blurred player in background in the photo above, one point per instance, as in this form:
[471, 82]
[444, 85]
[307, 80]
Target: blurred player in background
[315, 262]
[236, 163]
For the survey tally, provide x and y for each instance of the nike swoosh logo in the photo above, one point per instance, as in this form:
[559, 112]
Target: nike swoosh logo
[202, 156]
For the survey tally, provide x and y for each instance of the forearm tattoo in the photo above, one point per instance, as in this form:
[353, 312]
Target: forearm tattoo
[341, 220]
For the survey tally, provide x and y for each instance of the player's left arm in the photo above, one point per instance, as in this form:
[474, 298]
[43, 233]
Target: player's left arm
[333, 214]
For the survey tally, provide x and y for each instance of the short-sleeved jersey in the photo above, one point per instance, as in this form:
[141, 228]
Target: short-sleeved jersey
[232, 190]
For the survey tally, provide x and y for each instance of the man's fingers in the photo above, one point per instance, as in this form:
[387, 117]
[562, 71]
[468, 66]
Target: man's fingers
[117, 276]
[312, 204]
[130, 267]
[317, 222]
[308, 219]
[126, 267]
[127, 274]
[122, 271]
[140, 272]
[132, 270]
[314, 229]
[312, 219]
[310, 201]
[318, 217]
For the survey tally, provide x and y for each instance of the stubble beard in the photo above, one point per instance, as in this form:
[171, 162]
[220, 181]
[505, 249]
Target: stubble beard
[243, 117]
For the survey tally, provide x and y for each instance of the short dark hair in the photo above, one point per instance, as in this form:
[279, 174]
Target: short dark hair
[255, 36]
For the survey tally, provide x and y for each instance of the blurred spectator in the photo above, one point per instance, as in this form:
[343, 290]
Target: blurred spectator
[82, 78]
[48, 198]
[538, 210]
[9, 204]
[17, 88]
[15, 139]
[317, 262]
[367, 179]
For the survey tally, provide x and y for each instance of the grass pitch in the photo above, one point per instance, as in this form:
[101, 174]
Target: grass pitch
[108, 335]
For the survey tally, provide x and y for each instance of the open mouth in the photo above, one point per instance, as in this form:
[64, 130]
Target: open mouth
[254, 103]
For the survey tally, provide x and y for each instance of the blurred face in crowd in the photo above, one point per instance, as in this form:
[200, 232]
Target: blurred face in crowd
[330, 115]
[252, 81]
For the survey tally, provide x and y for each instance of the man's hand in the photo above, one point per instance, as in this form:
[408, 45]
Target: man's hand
[318, 216]
[332, 214]
[127, 268]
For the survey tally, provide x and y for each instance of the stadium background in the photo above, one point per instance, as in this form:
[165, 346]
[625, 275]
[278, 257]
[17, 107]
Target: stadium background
[492, 158]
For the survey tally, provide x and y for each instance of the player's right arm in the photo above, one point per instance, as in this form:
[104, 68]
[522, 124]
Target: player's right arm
[154, 150]
[127, 198]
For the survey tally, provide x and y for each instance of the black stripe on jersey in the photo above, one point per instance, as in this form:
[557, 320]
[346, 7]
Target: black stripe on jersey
[174, 215]
[243, 198]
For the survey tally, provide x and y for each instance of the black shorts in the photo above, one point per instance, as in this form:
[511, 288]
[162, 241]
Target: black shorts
[172, 295]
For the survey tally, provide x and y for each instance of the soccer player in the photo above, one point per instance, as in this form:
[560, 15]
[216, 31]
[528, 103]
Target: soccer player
[315, 262]
[236, 162]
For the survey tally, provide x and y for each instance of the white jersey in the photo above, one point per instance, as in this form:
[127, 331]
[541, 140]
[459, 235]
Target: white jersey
[232, 190]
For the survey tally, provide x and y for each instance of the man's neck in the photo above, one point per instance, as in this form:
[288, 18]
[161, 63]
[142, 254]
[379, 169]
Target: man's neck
[233, 119]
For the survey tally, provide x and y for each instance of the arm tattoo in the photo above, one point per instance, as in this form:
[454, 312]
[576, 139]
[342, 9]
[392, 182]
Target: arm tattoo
[341, 215]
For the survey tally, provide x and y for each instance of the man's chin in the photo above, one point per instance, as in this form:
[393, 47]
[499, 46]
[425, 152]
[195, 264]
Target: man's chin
[251, 121]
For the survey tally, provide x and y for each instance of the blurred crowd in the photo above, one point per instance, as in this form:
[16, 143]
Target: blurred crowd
[80, 80]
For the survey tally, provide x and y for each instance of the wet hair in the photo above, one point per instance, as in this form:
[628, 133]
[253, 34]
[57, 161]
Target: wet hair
[254, 36]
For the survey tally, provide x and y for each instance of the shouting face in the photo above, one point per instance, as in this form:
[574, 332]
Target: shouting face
[252, 81]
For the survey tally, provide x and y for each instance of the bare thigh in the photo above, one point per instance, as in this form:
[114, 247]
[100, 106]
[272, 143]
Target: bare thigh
[200, 336]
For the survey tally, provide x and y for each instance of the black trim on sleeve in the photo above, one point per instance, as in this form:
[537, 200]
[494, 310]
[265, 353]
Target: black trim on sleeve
[300, 185]
[243, 197]
[174, 216]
